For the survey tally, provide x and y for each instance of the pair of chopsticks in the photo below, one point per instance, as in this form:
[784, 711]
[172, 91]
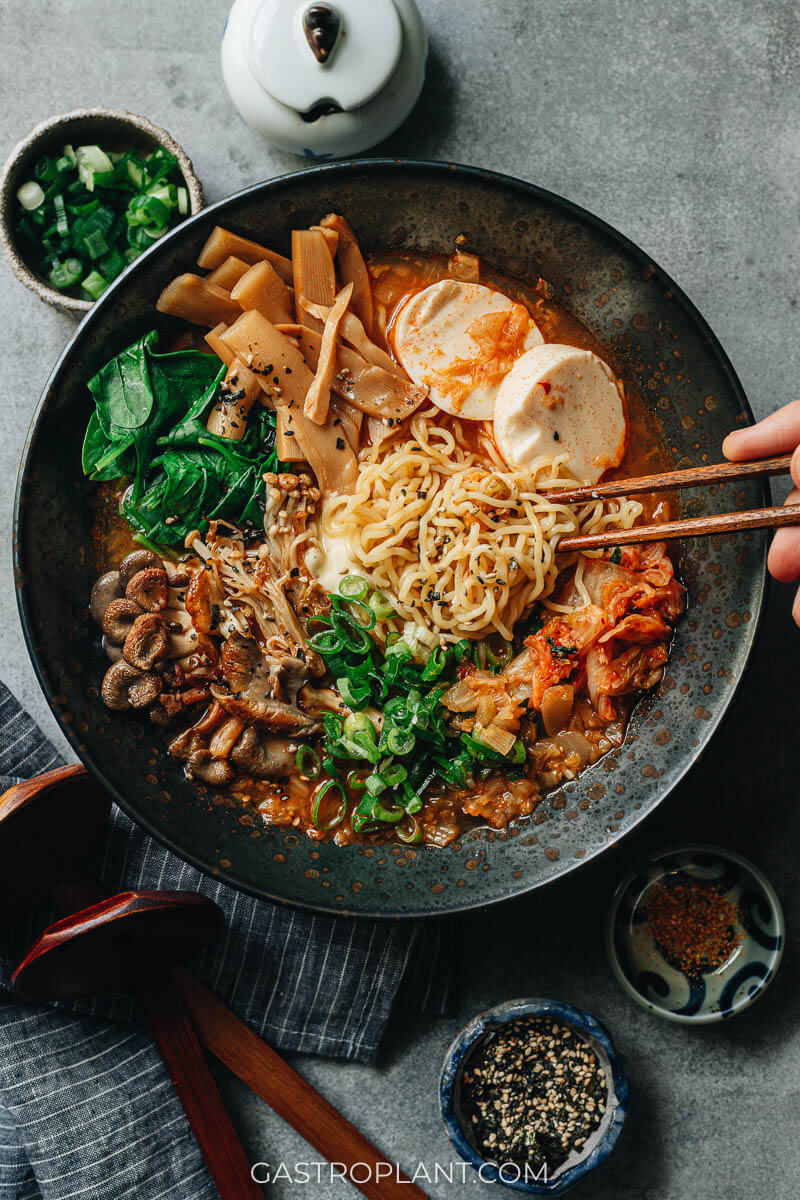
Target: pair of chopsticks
[669, 481]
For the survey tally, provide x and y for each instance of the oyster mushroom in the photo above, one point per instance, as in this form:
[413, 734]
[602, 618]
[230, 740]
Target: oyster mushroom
[147, 641]
[118, 619]
[249, 687]
[105, 589]
[264, 756]
[137, 560]
[149, 588]
[125, 686]
[216, 771]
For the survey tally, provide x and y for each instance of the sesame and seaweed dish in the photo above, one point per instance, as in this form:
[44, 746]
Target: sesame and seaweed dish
[327, 531]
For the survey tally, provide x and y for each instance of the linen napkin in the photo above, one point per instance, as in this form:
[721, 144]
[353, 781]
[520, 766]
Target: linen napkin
[86, 1107]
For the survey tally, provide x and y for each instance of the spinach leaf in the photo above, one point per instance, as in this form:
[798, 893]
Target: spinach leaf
[121, 389]
[183, 476]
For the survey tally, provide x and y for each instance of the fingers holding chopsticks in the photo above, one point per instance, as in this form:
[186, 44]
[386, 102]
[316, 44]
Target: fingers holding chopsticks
[779, 433]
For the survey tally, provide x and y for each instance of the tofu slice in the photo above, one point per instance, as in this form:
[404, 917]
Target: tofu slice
[459, 340]
[560, 399]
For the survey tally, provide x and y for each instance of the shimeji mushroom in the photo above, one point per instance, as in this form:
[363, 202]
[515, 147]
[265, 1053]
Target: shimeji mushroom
[137, 560]
[149, 588]
[125, 686]
[118, 619]
[106, 589]
[147, 641]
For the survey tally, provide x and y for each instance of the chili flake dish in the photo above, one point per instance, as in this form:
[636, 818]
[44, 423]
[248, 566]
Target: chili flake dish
[329, 536]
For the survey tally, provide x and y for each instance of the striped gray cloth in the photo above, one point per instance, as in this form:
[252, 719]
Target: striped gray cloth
[86, 1107]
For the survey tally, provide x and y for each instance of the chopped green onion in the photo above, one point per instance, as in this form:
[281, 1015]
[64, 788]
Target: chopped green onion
[353, 587]
[94, 284]
[399, 742]
[355, 695]
[183, 201]
[308, 763]
[30, 195]
[410, 831]
[66, 274]
[382, 608]
[332, 789]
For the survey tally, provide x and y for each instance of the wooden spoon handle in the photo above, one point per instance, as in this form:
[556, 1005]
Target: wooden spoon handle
[198, 1093]
[241, 1050]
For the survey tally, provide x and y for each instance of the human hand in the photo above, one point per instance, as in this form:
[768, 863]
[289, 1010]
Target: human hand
[779, 433]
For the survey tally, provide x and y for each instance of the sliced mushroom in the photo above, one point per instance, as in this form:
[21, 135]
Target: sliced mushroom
[147, 641]
[264, 757]
[204, 599]
[249, 687]
[125, 686]
[137, 560]
[106, 589]
[287, 676]
[149, 588]
[119, 618]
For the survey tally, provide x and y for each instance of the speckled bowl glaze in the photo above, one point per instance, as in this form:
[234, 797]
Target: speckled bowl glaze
[655, 339]
[657, 984]
[598, 1146]
[113, 130]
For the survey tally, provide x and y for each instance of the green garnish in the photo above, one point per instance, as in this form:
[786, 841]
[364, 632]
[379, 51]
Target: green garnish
[559, 651]
[87, 214]
[616, 555]
[148, 424]
[405, 682]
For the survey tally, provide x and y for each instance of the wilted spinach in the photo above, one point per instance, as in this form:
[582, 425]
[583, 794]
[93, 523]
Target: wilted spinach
[149, 424]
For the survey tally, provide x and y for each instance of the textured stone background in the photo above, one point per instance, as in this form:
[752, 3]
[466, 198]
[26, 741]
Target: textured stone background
[678, 123]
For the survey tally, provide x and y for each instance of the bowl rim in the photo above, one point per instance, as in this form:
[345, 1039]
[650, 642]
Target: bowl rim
[435, 169]
[710, 1017]
[591, 1030]
[26, 144]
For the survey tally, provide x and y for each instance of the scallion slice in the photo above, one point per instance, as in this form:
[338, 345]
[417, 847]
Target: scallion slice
[308, 763]
[325, 794]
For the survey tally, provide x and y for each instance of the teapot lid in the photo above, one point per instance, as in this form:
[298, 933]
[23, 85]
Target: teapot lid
[310, 54]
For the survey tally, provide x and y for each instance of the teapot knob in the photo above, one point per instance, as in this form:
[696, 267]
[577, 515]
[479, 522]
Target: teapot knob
[321, 25]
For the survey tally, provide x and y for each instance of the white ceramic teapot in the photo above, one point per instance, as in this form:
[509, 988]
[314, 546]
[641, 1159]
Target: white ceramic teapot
[324, 80]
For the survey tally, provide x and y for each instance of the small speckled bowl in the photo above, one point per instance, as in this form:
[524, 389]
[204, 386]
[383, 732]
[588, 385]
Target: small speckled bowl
[659, 985]
[597, 1147]
[113, 130]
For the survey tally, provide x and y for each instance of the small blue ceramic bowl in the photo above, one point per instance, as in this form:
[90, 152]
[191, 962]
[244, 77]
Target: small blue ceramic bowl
[658, 985]
[597, 1147]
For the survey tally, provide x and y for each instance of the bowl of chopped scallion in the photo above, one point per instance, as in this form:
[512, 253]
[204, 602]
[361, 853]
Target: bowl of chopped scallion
[83, 195]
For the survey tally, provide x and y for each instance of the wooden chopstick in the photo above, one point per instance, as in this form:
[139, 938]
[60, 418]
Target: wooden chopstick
[670, 481]
[236, 1045]
[757, 518]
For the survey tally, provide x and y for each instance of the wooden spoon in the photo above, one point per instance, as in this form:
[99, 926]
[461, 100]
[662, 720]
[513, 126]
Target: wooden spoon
[230, 1039]
[49, 824]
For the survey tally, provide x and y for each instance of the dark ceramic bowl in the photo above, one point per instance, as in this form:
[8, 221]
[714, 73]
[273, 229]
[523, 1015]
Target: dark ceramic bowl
[110, 128]
[598, 1146]
[656, 340]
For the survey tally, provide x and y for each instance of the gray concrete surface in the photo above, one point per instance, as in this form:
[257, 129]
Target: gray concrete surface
[679, 124]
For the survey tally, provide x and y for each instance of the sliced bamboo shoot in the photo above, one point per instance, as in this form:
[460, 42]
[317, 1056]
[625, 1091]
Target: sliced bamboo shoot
[352, 269]
[331, 238]
[318, 397]
[349, 420]
[314, 276]
[198, 301]
[266, 351]
[263, 289]
[355, 334]
[221, 244]
[239, 392]
[214, 340]
[365, 386]
[229, 272]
